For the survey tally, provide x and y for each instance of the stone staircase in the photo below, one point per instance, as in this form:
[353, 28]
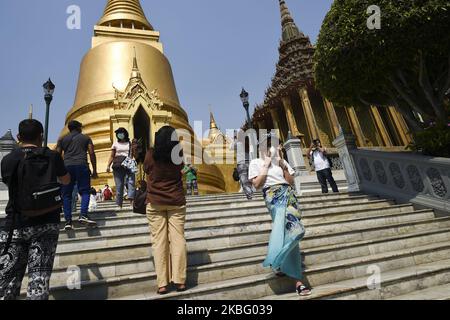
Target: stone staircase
[348, 236]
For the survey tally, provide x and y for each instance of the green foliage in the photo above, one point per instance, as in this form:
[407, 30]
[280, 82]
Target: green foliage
[355, 64]
[434, 141]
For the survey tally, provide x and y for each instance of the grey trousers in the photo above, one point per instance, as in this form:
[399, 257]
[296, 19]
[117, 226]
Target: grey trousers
[32, 247]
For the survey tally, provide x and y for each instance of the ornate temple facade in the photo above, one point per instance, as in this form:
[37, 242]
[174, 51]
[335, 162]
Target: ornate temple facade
[293, 104]
[126, 81]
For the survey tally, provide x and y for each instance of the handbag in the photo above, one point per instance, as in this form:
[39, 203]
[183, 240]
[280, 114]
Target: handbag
[140, 202]
[236, 175]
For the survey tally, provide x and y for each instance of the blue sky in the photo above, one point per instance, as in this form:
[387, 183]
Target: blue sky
[215, 48]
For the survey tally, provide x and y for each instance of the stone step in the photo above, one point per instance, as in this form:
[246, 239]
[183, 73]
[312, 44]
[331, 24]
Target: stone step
[129, 218]
[259, 224]
[332, 207]
[261, 285]
[394, 283]
[441, 292]
[123, 265]
[248, 237]
[250, 204]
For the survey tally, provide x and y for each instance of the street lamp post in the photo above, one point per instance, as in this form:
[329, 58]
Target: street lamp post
[244, 98]
[49, 88]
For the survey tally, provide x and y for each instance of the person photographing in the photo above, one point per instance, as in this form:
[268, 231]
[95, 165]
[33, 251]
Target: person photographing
[318, 156]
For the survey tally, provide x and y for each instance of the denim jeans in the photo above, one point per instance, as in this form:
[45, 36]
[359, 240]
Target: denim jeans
[124, 177]
[81, 176]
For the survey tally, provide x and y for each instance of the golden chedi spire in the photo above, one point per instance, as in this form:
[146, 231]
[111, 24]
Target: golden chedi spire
[125, 14]
[213, 124]
[107, 97]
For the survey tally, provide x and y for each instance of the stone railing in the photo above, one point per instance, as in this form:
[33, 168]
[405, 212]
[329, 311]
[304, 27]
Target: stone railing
[404, 176]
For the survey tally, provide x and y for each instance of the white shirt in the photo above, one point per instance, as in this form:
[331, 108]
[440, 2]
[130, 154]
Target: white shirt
[122, 148]
[274, 175]
[320, 161]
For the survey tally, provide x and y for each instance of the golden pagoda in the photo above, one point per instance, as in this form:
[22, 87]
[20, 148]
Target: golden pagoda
[126, 81]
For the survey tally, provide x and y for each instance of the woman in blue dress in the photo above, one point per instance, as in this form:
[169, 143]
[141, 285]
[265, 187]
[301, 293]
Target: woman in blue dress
[275, 176]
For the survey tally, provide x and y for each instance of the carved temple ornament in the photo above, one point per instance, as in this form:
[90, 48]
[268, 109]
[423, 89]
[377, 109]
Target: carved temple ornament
[137, 91]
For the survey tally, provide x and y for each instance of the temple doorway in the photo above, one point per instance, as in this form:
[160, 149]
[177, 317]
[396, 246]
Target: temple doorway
[141, 125]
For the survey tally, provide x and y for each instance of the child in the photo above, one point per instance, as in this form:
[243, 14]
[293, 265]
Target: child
[191, 179]
[93, 200]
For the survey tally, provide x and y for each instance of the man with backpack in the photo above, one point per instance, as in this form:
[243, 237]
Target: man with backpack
[322, 165]
[75, 147]
[31, 232]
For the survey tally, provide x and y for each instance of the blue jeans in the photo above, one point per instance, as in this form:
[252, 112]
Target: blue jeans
[81, 176]
[124, 177]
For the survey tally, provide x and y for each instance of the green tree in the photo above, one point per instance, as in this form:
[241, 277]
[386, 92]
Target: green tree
[405, 63]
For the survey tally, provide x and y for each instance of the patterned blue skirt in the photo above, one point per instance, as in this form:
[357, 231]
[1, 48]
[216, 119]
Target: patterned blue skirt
[287, 231]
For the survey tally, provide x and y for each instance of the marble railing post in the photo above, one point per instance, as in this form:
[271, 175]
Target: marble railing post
[295, 158]
[345, 143]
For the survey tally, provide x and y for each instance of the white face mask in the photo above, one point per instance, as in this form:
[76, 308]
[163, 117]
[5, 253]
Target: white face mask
[121, 136]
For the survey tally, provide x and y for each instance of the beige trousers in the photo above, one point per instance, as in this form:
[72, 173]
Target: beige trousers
[168, 243]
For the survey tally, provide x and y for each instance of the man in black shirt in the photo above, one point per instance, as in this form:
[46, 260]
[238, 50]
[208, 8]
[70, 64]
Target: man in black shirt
[34, 240]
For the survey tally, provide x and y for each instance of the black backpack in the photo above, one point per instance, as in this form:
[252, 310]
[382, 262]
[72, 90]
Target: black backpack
[38, 191]
[34, 189]
[236, 175]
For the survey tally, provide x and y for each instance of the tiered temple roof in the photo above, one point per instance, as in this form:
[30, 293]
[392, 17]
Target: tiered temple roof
[295, 65]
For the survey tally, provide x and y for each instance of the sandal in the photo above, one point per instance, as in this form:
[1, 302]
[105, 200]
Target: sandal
[181, 288]
[162, 291]
[302, 290]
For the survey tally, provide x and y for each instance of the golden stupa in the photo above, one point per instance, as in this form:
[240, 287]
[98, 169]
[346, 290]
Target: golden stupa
[126, 81]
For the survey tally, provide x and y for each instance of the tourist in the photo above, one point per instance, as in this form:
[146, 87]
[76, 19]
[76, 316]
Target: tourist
[122, 153]
[318, 156]
[191, 179]
[93, 201]
[275, 176]
[75, 147]
[99, 195]
[166, 211]
[243, 160]
[107, 193]
[29, 237]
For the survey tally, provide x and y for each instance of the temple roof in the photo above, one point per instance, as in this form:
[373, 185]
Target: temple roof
[126, 12]
[295, 65]
[7, 142]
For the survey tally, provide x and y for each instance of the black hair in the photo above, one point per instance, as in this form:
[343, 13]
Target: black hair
[165, 142]
[125, 132]
[74, 125]
[30, 130]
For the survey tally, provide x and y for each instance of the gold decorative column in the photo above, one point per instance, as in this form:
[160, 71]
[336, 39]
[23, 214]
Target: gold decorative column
[356, 126]
[400, 125]
[276, 122]
[261, 124]
[309, 115]
[290, 116]
[332, 117]
[381, 127]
